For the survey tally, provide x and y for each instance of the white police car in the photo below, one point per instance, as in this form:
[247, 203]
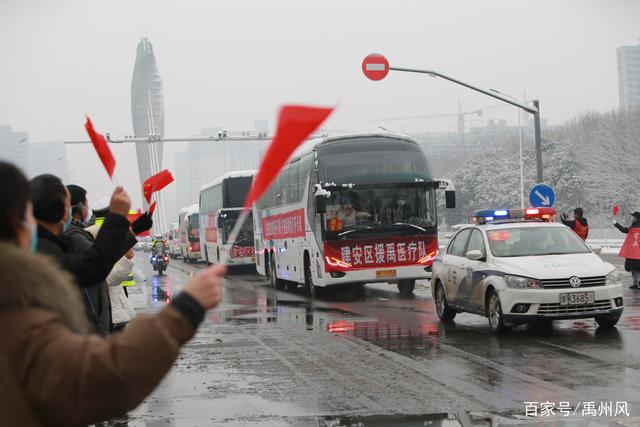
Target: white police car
[518, 266]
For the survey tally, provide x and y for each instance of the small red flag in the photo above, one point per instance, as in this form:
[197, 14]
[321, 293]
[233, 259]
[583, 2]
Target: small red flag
[616, 208]
[152, 208]
[156, 183]
[102, 148]
[295, 124]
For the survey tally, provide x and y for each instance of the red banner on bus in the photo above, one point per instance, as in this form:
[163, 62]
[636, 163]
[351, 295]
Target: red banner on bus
[284, 226]
[211, 232]
[243, 252]
[380, 252]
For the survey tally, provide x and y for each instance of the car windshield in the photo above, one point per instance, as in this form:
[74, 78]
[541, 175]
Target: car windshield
[391, 210]
[535, 241]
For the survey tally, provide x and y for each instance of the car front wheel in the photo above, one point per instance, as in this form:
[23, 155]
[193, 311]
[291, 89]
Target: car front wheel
[442, 308]
[494, 312]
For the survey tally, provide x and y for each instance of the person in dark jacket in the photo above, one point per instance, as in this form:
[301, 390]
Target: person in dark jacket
[91, 264]
[578, 224]
[53, 372]
[631, 264]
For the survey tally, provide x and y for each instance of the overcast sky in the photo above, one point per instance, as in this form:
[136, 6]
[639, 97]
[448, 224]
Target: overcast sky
[231, 62]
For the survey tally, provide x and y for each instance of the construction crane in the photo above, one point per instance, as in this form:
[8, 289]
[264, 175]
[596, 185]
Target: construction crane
[460, 114]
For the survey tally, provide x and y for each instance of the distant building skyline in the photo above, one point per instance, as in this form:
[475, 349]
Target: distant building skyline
[629, 77]
[13, 147]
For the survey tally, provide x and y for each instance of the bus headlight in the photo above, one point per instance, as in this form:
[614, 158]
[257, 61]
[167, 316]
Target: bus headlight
[519, 282]
[612, 278]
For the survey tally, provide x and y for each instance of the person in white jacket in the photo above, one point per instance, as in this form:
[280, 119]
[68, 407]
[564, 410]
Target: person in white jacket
[122, 311]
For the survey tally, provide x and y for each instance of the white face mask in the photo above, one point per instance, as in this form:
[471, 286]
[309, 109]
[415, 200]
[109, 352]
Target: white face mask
[402, 202]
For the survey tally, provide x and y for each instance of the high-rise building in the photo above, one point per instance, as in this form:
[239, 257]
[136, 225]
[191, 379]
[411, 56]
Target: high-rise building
[629, 77]
[202, 162]
[147, 109]
[13, 146]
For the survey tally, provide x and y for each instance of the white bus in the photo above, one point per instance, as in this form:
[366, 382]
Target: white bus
[220, 204]
[188, 229]
[350, 210]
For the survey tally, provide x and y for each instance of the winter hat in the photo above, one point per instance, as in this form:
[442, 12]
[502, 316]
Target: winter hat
[636, 214]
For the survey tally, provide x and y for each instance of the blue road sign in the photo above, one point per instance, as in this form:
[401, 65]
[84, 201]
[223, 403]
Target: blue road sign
[542, 195]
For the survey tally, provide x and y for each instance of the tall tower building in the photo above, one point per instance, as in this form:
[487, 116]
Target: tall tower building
[147, 109]
[629, 77]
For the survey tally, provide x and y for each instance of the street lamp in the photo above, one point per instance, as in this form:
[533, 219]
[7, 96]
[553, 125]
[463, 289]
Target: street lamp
[376, 67]
[520, 143]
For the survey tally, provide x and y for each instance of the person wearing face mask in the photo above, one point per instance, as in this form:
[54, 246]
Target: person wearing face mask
[54, 373]
[399, 211]
[52, 209]
[97, 300]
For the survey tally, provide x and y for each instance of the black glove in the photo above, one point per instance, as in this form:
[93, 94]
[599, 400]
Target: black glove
[142, 224]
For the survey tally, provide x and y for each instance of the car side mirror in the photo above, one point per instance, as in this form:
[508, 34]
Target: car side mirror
[450, 199]
[596, 249]
[321, 204]
[475, 255]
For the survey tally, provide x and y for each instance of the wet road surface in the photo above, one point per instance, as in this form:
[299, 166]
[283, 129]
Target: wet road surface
[268, 357]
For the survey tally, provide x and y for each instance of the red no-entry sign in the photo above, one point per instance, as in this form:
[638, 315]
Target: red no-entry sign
[375, 66]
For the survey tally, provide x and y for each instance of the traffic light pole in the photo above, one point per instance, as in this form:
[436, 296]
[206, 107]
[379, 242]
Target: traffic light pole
[535, 110]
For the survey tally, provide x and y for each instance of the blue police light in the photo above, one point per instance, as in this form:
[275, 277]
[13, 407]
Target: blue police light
[484, 215]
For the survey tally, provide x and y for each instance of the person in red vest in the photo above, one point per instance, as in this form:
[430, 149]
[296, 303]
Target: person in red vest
[579, 224]
[631, 248]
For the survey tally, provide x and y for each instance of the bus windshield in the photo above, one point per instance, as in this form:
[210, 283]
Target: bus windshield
[227, 219]
[382, 210]
[193, 228]
[372, 161]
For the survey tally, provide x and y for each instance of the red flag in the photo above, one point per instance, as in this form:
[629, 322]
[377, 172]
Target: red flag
[156, 183]
[295, 124]
[152, 208]
[616, 208]
[102, 148]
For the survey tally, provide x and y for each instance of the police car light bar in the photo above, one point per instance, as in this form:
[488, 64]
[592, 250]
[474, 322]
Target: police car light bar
[486, 215]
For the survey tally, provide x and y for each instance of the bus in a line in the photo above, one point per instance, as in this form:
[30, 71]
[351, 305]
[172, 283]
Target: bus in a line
[350, 210]
[221, 202]
[188, 230]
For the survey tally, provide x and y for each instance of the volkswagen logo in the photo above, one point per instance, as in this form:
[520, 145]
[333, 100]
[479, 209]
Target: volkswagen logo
[575, 282]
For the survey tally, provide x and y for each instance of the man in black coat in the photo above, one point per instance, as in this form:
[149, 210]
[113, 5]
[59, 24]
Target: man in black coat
[631, 264]
[89, 267]
[97, 296]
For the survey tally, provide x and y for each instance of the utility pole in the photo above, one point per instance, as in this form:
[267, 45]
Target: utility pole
[538, 139]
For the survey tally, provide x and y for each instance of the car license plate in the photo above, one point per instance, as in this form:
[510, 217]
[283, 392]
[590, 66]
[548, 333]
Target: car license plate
[576, 298]
[381, 274]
